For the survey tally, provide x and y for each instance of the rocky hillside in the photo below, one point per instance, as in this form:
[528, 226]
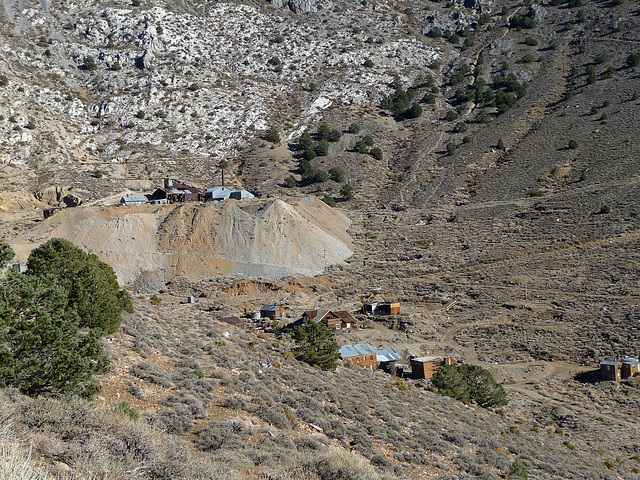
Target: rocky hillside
[482, 163]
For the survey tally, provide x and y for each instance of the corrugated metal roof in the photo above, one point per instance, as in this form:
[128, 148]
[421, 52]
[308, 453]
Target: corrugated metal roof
[133, 197]
[218, 189]
[425, 359]
[388, 355]
[630, 360]
[357, 350]
[320, 314]
[240, 194]
[269, 308]
[609, 362]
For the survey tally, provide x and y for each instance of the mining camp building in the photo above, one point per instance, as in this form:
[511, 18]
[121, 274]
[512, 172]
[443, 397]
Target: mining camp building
[367, 356]
[334, 320]
[272, 311]
[386, 308]
[425, 367]
[617, 369]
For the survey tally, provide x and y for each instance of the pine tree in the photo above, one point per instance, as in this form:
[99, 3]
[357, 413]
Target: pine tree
[91, 285]
[469, 383]
[41, 347]
[6, 254]
[316, 345]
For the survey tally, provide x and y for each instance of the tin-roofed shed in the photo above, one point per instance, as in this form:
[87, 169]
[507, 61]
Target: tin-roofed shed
[363, 354]
[217, 193]
[425, 367]
[272, 311]
[240, 194]
[629, 367]
[133, 198]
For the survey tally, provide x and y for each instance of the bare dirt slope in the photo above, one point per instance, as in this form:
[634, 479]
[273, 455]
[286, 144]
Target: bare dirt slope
[269, 238]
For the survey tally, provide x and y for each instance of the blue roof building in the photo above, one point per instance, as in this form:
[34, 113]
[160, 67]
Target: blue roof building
[367, 356]
[133, 199]
[217, 193]
[223, 193]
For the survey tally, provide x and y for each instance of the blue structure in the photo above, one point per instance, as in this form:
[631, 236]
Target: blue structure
[240, 194]
[133, 199]
[217, 193]
[223, 193]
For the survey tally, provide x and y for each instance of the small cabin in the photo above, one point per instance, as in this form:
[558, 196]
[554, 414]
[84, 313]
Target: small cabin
[133, 199]
[386, 308]
[272, 311]
[616, 369]
[334, 320]
[425, 367]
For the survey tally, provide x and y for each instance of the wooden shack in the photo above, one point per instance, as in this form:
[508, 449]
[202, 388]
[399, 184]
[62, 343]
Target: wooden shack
[629, 367]
[611, 370]
[334, 320]
[425, 367]
[385, 308]
[273, 311]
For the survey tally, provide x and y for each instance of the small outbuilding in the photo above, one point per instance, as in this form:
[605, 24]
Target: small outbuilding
[616, 369]
[425, 367]
[133, 199]
[334, 320]
[630, 367]
[272, 311]
[386, 308]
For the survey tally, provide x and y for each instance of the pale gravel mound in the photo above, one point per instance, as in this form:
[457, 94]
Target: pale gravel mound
[269, 238]
[283, 239]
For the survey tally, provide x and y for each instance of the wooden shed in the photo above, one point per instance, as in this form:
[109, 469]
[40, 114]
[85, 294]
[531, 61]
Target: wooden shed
[334, 319]
[611, 370]
[629, 367]
[425, 367]
[386, 308]
[272, 311]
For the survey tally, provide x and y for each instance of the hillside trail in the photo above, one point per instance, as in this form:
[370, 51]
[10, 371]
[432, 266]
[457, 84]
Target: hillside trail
[426, 148]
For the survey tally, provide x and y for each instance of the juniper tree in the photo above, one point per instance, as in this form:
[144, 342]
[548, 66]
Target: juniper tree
[91, 285]
[315, 345]
[469, 383]
[42, 349]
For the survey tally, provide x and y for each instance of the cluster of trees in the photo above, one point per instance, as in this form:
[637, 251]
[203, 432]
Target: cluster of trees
[362, 146]
[400, 102]
[52, 319]
[522, 21]
[469, 383]
[311, 149]
[503, 94]
[272, 135]
[454, 37]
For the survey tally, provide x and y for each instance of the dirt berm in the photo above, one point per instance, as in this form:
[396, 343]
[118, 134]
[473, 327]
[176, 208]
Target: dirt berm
[267, 238]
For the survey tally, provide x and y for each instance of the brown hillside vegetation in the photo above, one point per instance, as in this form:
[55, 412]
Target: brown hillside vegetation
[502, 214]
